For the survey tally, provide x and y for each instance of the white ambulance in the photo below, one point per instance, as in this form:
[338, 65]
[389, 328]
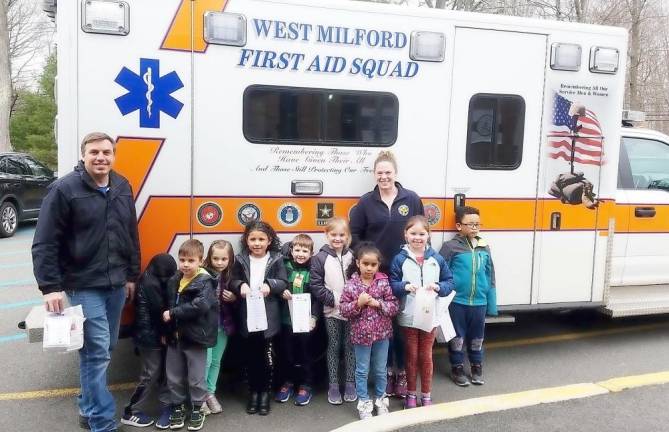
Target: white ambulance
[232, 110]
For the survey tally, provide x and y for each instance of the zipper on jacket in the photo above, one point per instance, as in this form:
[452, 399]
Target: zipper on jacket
[474, 265]
[341, 265]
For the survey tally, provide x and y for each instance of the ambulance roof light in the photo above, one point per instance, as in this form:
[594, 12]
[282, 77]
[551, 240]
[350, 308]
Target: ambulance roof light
[565, 56]
[223, 28]
[427, 46]
[105, 17]
[634, 116]
[604, 60]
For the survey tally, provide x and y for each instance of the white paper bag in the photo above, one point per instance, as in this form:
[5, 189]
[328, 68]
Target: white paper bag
[300, 312]
[256, 315]
[445, 329]
[64, 332]
[424, 309]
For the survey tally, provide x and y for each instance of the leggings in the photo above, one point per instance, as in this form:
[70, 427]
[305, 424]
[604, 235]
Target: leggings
[338, 335]
[419, 358]
[214, 356]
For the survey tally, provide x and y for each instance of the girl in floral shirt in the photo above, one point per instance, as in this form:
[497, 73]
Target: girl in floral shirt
[369, 304]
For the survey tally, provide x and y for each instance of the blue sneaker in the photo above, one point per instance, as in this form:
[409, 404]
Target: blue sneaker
[163, 421]
[303, 396]
[284, 393]
[137, 419]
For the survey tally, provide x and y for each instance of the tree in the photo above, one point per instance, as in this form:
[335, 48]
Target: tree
[5, 79]
[33, 118]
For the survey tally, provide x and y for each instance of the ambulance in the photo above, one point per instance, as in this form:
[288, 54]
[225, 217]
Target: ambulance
[226, 111]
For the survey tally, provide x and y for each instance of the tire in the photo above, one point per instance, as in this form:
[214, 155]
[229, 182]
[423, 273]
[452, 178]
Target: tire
[9, 219]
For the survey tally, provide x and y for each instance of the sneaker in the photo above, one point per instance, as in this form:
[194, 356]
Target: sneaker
[212, 404]
[350, 394]
[83, 422]
[284, 393]
[477, 374]
[390, 386]
[138, 419]
[196, 420]
[382, 405]
[177, 417]
[426, 401]
[458, 375]
[205, 409]
[303, 396]
[334, 395]
[410, 401]
[401, 384]
[365, 408]
[163, 421]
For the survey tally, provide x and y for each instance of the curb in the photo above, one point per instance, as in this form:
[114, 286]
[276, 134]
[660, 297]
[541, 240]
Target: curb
[467, 407]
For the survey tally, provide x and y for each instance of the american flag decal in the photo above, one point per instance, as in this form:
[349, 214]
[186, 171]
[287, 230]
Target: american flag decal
[589, 143]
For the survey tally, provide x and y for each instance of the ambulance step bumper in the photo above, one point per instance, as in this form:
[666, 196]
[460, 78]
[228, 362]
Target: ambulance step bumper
[637, 300]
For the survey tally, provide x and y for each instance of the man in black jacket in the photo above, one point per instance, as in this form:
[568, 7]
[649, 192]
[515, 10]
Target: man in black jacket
[86, 246]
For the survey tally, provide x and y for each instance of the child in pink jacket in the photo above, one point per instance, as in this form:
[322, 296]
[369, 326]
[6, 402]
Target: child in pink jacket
[369, 304]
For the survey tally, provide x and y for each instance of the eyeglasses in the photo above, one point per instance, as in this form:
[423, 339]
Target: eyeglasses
[472, 225]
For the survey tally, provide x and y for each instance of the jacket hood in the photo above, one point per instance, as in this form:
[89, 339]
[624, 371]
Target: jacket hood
[330, 250]
[163, 266]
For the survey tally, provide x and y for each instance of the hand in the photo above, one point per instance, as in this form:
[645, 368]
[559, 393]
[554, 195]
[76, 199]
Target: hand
[433, 286]
[163, 340]
[264, 290]
[374, 303]
[228, 296]
[410, 288]
[286, 295]
[54, 301]
[166, 316]
[245, 290]
[312, 323]
[364, 299]
[129, 292]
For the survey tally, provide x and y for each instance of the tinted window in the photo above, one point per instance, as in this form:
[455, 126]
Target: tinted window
[648, 163]
[37, 168]
[495, 129]
[14, 166]
[291, 115]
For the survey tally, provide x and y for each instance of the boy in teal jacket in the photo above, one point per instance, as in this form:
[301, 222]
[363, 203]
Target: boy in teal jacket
[468, 257]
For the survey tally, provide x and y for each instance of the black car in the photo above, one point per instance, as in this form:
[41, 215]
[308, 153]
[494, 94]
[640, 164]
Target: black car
[23, 185]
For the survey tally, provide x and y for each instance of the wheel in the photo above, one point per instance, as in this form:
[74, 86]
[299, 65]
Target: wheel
[9, 219]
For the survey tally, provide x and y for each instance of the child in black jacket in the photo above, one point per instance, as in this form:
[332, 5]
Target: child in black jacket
[149, 337]
[193, 315]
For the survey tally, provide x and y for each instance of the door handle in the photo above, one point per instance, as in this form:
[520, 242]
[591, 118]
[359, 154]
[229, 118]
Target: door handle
[644, 212]
[556, 221]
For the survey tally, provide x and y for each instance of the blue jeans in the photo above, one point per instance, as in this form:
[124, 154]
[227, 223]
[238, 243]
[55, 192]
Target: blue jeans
[469, 324]
[371, 359]
[102, 310]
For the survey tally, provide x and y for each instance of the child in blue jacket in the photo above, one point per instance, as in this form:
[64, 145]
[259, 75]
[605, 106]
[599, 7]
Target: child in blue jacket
[468, 257]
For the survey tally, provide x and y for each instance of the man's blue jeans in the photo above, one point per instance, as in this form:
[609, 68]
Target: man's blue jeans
[371, 359]
[102, 310]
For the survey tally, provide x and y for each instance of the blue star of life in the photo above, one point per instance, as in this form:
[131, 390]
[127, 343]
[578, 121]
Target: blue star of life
[149, 93]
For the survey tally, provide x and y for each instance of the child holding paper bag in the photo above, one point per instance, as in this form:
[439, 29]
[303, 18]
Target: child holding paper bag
[259, 277]
[418, 274]
[294, 344]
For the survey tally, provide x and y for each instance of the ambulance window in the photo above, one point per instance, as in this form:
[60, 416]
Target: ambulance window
[495, 131]
[648, 163]
[292, 115]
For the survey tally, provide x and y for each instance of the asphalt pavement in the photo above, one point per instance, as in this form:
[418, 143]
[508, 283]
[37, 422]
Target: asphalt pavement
[540, 350]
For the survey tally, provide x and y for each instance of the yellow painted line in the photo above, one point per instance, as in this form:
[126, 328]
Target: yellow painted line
[54, 393]
[563, 337]
[450, 410]
[624, 383]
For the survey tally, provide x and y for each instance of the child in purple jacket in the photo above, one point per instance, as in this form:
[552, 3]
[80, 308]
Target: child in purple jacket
[369, 304]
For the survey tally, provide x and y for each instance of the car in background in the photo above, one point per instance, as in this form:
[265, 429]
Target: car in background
[23, 186]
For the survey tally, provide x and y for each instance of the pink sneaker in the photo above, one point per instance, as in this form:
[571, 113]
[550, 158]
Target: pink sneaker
[401, 384]
[426, 401]
[410, 401]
